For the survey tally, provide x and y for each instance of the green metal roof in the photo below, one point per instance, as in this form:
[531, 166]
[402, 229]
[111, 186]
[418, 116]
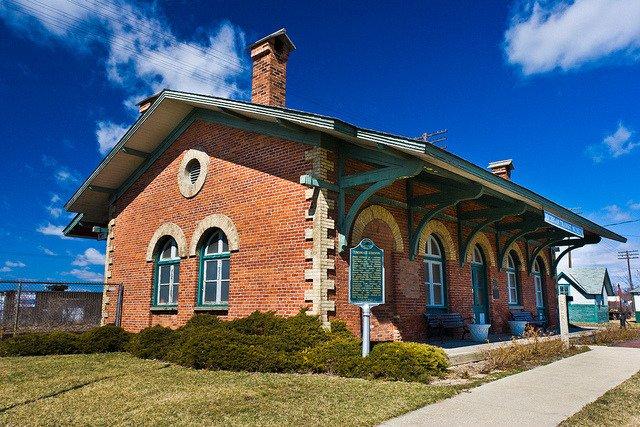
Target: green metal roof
[589, 279]
[171, 108]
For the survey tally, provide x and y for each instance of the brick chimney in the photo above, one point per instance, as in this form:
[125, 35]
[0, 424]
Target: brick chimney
[269, 78]
[502, 168]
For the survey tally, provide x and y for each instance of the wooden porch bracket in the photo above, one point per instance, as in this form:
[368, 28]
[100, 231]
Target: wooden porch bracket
[574, 244]
[525, 228]
[449, 196]
[488, 217]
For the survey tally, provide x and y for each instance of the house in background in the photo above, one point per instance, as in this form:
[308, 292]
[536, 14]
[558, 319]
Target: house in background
[589, 289]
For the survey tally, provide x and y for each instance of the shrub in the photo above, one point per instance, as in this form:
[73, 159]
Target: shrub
[105, 339]
[406, 361]
[340, 356]
[152, 343]
[203, 321]
[41, 344]
[230, 350]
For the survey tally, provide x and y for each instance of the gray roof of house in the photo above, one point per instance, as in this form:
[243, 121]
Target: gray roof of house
[589, 279]
[635, 290]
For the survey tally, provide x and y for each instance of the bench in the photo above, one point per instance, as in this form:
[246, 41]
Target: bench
[442, 322]
[526, 316]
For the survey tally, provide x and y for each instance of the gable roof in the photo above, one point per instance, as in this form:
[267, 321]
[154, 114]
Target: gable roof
[588, 279]
[172, 112]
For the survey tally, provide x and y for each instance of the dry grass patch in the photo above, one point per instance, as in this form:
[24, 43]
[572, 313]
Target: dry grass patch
[136, 392]
[516, 356]
[610, 335]
[617, 407]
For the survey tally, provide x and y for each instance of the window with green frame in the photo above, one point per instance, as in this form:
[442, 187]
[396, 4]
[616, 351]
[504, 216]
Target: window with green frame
[166, 275]
[434, 273]
[213, 282]
[513, 281]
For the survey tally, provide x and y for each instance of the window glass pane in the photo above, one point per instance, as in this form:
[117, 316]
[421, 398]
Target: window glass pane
[224, 244]
[224, 297]
[436, 273]
[217, 243]
[434, 248]
[477, 255]
[174, 295]
[211, 269]
[428, 286]
[511, 262]
[224, 274]
[437, 294]
[164, 273]
[169, 250]
[163, 294]
[210, 289]
[176, 273]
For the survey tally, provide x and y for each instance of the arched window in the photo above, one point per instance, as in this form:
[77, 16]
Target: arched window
[213, 287]
[512, 280]
[538, 284]
[477, 256]
[434, 273]
[167, 274]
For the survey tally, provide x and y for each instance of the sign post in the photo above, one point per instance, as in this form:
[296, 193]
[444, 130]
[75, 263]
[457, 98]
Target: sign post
[366, 283]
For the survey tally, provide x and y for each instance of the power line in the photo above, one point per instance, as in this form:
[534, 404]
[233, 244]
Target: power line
[622, 222]
[629, 255]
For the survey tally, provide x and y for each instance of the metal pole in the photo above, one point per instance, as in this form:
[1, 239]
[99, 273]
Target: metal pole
[366, 329]
[629, 270]
[16, 311]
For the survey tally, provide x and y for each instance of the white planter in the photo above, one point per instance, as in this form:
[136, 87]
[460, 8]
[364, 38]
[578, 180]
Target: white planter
[479, 332]
[518, 327]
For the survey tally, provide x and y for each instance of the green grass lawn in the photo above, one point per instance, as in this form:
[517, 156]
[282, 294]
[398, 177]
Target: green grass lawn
[617, 407]
[118, 389]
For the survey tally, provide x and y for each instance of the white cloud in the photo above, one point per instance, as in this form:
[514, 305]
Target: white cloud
[54, 210]
[108, 134]
[615, 214]
[85, 274]
[565, 35]
[143, 54]
[614, 145]
[5, 269]
[52, 230]
[14, 264]
[47, 251]
[90, 257]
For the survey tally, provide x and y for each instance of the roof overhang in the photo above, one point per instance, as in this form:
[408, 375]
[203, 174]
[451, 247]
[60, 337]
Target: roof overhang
[172, 112]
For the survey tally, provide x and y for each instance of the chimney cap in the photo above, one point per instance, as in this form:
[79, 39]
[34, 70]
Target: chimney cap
[502, 164]
[281, 34]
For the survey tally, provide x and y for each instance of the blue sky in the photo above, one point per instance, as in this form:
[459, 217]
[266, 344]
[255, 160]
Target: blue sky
[553, 85]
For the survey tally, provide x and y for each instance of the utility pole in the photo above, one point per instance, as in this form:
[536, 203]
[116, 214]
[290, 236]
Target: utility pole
[629, 255]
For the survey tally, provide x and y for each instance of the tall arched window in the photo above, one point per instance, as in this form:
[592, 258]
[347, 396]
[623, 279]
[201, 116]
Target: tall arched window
[213, 288]
[434, 273]
[538, 284]
[167, 275]
[512, 280]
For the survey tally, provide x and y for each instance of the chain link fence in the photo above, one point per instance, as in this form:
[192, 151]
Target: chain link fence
[41, 306]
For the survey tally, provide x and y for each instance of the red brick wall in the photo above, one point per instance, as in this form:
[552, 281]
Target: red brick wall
[254, 180]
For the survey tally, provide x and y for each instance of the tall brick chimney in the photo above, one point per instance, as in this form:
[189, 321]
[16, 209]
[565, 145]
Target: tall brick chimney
[502, 168]
[269, 78]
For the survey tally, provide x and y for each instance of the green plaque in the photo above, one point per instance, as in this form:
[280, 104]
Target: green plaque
[366, 274]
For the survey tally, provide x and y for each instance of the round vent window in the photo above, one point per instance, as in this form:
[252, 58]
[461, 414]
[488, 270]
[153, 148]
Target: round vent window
[193, 170]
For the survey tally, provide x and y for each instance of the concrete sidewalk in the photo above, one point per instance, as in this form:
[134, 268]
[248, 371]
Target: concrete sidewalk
[543, 396]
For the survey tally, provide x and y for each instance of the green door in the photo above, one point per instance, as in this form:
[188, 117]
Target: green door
[479, 287]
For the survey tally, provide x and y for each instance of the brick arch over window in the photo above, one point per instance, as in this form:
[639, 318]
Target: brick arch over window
[482, 240]
[168, 229]
[372, 213]
[440, 230]
[545, 262]
[220, 221]
[521, 258]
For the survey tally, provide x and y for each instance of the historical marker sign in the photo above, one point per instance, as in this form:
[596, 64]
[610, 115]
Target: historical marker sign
[562, 224]
[366, 274]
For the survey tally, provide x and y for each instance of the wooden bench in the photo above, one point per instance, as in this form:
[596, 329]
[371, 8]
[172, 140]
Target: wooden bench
[526, 316]
[442, 322]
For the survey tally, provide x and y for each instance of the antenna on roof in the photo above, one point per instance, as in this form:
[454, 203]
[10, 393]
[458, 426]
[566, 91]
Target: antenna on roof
[434, 137]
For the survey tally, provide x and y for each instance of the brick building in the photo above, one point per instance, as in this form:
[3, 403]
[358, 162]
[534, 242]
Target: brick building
[227, 207]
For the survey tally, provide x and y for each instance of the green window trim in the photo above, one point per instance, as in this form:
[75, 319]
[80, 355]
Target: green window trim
[218, 305]
[157, 264]
[513, 270]
[430, 260]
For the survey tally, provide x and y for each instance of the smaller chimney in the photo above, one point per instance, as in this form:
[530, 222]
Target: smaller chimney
[269, 77]
[502, 168]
